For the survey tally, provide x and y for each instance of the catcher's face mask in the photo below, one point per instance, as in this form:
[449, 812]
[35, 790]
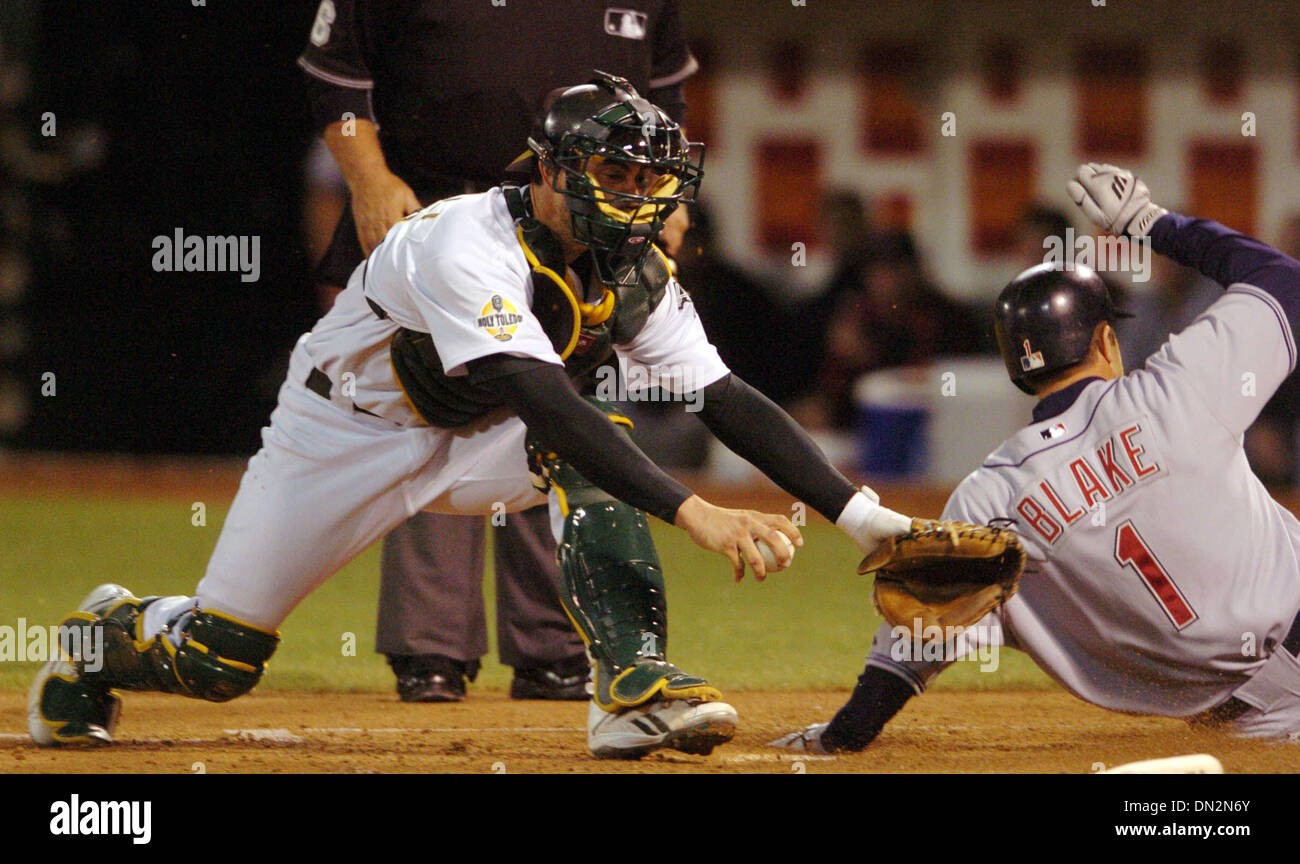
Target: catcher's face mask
[624, 170]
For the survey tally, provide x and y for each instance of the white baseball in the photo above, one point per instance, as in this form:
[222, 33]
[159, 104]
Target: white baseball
[769, 557]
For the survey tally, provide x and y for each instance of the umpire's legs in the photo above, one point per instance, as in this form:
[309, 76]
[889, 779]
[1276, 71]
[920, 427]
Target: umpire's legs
[532, 628]
[431, 597]
[431, 588]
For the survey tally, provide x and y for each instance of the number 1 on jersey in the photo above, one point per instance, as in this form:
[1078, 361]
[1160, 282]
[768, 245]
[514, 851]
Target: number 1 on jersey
[1132, 551]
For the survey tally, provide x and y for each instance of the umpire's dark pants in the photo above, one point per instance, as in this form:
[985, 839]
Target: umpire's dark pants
[431, 597]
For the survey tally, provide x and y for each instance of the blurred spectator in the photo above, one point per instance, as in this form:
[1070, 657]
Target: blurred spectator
[740, 315]
[850, 236]
[735, 305]
[848, 232]
[898, 319]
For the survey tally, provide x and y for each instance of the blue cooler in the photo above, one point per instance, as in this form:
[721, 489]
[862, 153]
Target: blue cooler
[892, 409]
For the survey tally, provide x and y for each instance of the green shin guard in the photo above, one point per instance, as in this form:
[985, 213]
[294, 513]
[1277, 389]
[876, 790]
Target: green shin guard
[614, 591]
[219, 659]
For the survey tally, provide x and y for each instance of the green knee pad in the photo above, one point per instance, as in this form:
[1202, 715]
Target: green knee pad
[219, 659]
[614, 589]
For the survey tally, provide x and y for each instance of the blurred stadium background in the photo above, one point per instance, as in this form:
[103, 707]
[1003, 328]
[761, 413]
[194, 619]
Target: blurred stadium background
[875, 172]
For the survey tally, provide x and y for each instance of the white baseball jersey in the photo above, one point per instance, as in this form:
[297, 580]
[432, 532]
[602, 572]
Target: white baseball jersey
[329, 479]
[1160, 572]
[456, 270]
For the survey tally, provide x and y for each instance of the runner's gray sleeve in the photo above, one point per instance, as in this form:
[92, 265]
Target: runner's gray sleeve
[1241, 349]
[1229, 257]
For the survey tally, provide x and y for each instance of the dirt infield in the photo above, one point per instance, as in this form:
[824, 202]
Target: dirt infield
[277, 733]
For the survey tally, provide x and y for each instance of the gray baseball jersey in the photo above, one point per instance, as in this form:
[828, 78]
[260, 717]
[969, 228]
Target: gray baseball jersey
[1160, 572]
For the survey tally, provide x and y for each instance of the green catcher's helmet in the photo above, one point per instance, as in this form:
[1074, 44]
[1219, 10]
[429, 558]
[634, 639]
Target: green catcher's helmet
[607, 119]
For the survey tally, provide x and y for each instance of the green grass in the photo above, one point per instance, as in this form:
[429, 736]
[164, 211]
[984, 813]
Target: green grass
[809, 627]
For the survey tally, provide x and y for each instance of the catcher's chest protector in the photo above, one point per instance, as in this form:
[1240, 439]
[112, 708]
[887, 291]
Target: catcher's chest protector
[583, 334]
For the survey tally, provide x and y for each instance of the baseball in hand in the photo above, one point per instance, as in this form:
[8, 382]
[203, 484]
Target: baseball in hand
[769, 557]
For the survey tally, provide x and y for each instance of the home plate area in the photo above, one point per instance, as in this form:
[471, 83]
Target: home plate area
[1025, 731]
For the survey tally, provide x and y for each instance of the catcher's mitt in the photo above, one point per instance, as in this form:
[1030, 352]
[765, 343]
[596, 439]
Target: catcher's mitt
[949, 574]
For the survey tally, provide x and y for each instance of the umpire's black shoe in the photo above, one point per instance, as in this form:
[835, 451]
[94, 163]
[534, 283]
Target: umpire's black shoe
[563, 680]
[432, 677]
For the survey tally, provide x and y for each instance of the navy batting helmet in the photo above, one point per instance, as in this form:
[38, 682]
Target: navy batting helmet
[1045, 317]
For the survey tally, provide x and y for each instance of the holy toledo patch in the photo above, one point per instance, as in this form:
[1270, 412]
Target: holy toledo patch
[499, 318]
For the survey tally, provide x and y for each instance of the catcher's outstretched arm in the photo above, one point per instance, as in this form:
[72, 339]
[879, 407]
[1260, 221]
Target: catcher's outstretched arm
[755, 428]
[582, 435]
[545, 400]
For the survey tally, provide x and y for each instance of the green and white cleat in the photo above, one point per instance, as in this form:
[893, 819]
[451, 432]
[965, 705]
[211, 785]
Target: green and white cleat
[687, 725]
[61, 709]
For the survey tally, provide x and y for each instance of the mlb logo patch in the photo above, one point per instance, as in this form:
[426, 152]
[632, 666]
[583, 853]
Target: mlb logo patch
[1032, 359]
[627, 23]
[1056, 430]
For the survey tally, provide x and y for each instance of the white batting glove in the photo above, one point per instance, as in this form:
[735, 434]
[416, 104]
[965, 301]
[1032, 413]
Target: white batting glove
[868, 523]
[1115, 200]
